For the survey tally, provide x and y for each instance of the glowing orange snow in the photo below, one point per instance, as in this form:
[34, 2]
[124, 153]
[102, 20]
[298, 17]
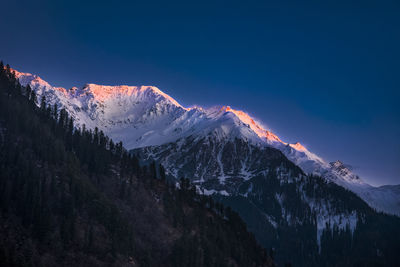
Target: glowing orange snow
[105, 92]
[259, 130]
[298, 146]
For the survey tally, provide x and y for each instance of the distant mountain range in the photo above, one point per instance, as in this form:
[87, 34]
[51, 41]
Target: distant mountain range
[144, 116]
[308, 209]
[72, 197]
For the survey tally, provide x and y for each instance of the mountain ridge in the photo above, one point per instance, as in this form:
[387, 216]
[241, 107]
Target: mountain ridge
[142, 116]
[72, 197]
[308, 219]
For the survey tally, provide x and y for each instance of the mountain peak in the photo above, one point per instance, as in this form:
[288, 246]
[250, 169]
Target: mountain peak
[122, 100]
[344, 171]
[99, 92]
[106, 92]
[28, 78]
[298, 146]
[151, 97]
[338, 164]
[254, 125]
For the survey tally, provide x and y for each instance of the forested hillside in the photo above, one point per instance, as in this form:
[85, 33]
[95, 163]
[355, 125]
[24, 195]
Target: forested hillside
[72, 197]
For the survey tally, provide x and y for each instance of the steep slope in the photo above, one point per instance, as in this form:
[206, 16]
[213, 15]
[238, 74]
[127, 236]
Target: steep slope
[286, 209]
[145, 116]
[72, 198]
[227, 154]
[309, 221]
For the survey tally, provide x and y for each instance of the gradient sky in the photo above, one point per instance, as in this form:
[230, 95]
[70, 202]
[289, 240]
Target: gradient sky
[325, 73]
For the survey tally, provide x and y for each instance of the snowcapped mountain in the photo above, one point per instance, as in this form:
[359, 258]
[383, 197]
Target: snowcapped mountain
[145, 118]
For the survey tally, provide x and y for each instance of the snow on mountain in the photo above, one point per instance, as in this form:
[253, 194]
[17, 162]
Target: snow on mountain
[142, 116]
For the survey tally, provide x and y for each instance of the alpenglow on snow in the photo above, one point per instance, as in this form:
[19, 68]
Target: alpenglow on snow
[143, 116]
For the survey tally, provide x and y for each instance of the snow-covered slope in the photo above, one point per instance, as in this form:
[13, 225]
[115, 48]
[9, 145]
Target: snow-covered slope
[143, 116]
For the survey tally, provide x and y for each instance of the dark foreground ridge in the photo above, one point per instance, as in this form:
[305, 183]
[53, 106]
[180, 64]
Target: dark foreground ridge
[72, 197]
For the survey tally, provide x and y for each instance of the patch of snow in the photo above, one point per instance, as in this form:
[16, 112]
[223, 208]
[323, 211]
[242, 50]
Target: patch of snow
[212, 192]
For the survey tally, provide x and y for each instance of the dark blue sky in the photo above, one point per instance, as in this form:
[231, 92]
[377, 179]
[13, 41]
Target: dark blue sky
[325, 73]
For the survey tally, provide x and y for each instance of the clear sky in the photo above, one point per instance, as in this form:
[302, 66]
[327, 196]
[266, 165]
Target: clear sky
[325, 73]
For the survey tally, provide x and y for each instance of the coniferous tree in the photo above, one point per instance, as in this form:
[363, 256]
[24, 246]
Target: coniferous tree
[33, 97]
[162, 172]
[153, 170]
[43, 103]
